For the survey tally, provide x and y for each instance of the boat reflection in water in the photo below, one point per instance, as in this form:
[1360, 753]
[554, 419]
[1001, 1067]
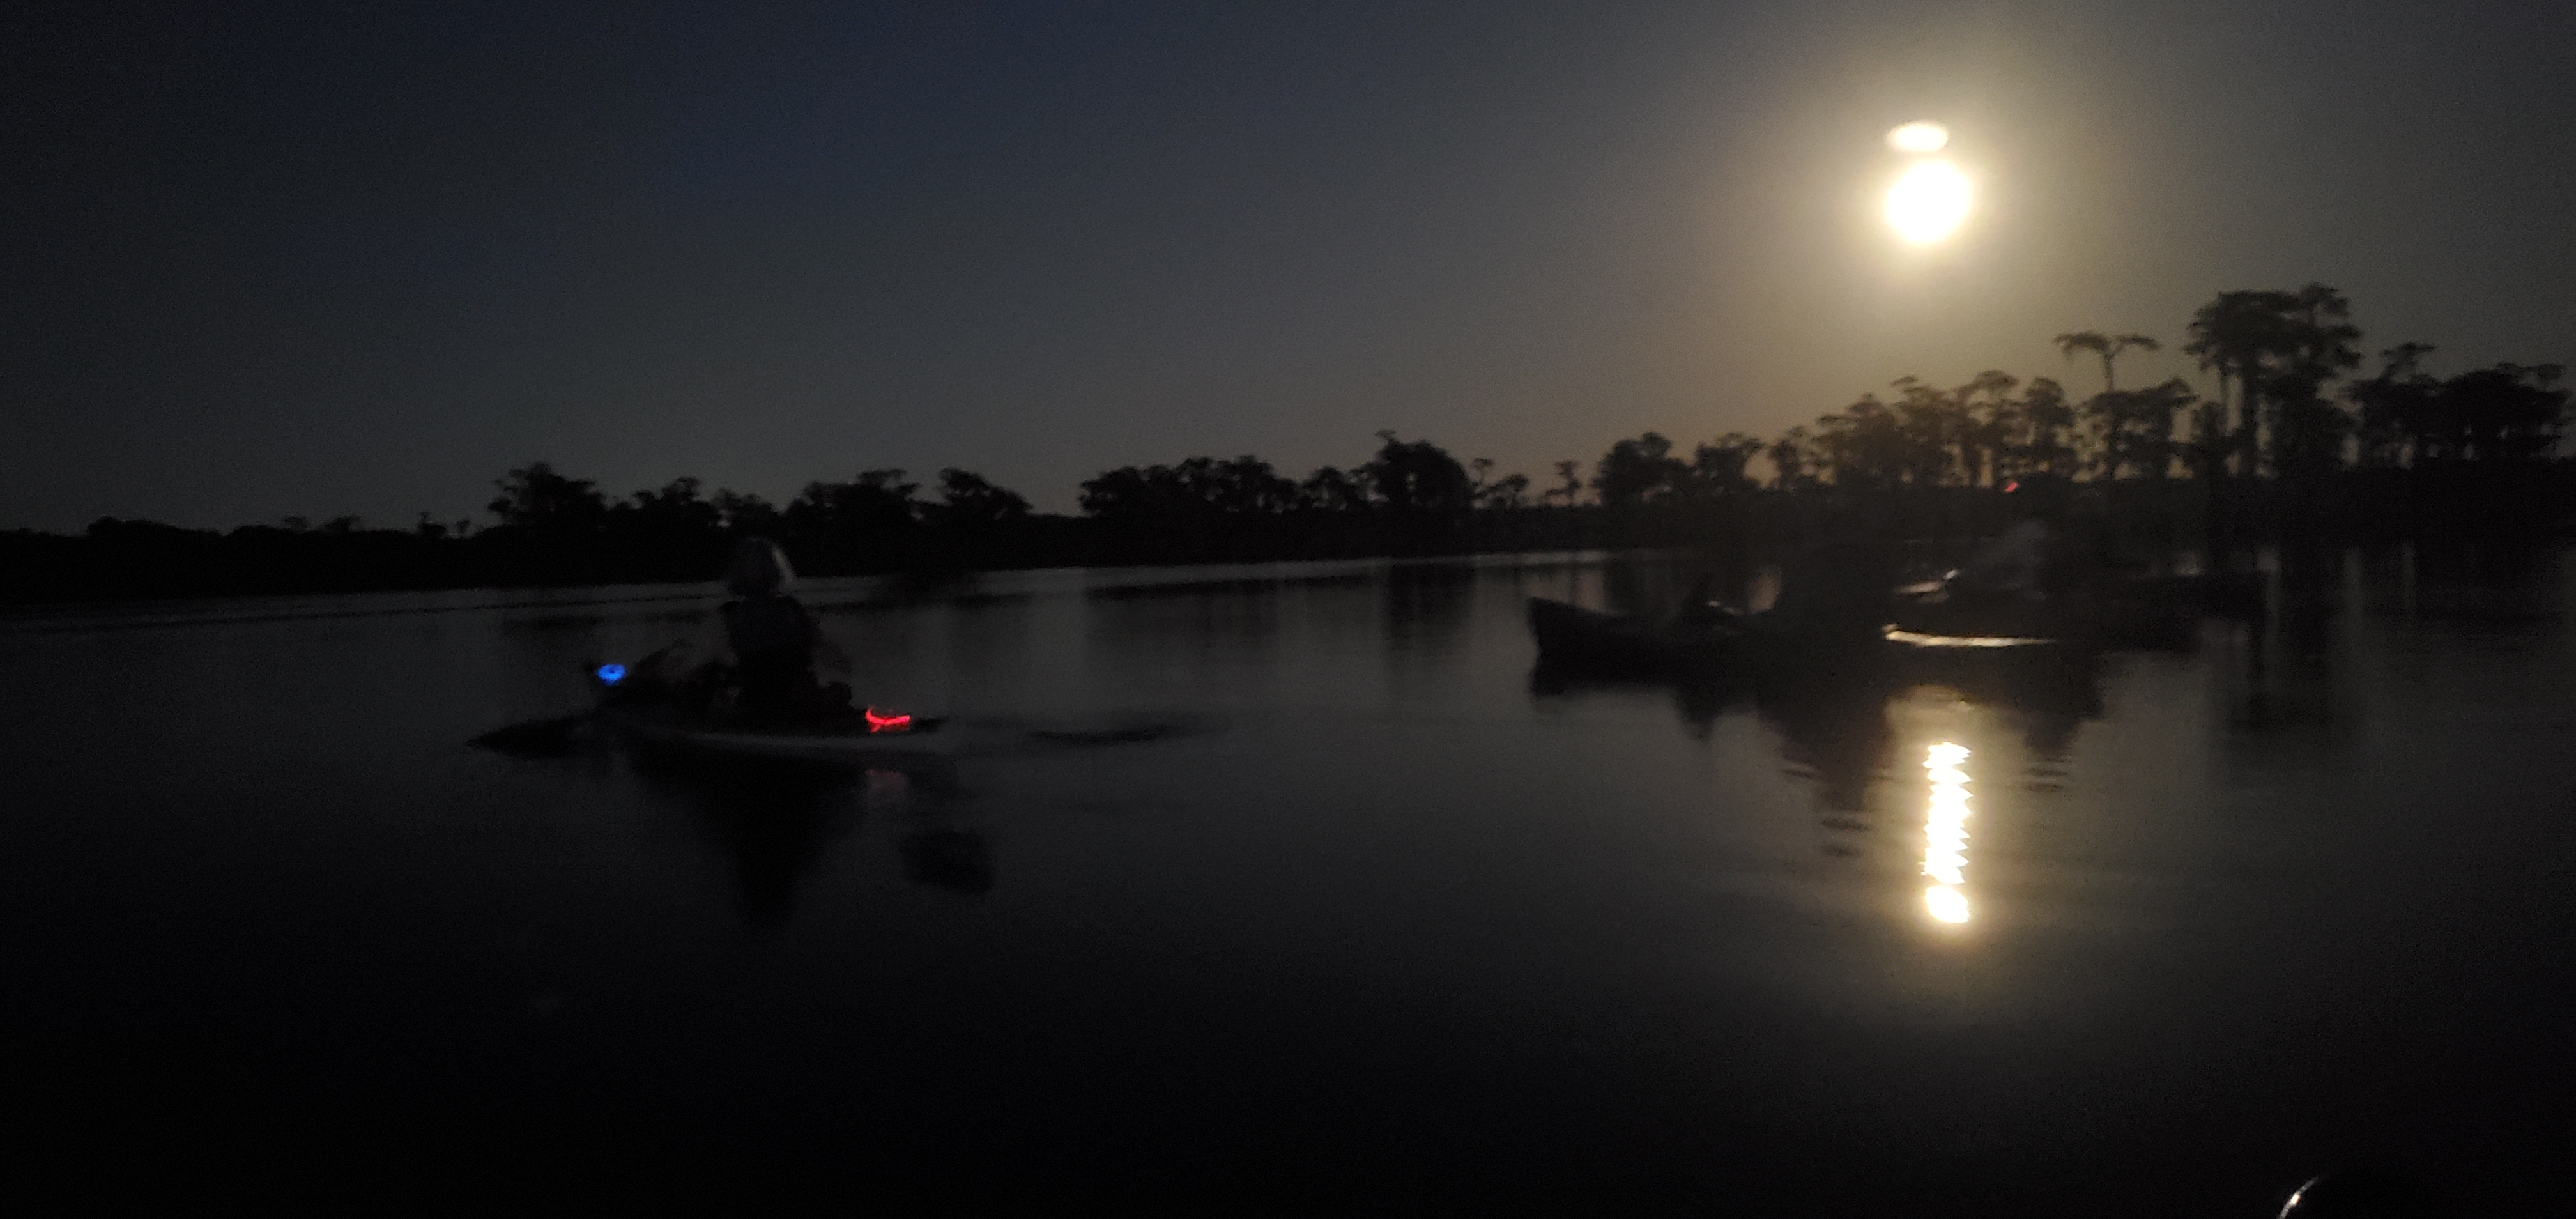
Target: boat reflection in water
[1945, 833]
[775, 824]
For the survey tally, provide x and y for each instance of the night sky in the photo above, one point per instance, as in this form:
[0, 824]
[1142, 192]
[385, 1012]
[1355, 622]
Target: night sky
[267, 260]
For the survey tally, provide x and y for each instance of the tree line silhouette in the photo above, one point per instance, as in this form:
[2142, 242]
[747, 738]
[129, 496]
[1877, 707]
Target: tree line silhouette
[2292, 442]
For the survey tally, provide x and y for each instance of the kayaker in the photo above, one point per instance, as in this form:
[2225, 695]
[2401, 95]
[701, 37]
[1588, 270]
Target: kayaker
[1699, 609]
[1836, 591]
[2020, 563]
[774, 638]
[2010, 564]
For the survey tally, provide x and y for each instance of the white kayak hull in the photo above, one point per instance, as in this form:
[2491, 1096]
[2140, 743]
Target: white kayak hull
[833, 744]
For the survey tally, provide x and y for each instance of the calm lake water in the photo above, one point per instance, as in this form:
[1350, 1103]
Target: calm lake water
[1376, 918]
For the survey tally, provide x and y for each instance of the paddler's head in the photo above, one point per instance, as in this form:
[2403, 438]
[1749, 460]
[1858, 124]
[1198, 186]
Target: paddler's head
[759, 569]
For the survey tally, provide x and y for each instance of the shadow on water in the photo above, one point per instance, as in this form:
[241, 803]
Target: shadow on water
[773, 824]
[1699, 698]
[2047, 694]
[1835, 721]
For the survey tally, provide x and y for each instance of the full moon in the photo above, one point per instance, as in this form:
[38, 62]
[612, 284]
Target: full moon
[1928, 202]
[1919, 137]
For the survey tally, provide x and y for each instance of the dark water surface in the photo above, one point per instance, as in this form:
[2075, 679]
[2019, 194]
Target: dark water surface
[1375, 920]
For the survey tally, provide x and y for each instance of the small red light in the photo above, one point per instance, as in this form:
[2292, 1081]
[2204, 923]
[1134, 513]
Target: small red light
[887, 723]
[2010, 487]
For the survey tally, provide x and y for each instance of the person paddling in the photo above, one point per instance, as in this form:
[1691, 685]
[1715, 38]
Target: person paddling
[775, 639]
[2037, 557]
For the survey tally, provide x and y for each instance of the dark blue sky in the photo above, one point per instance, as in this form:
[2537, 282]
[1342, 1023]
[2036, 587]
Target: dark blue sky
[360, 259]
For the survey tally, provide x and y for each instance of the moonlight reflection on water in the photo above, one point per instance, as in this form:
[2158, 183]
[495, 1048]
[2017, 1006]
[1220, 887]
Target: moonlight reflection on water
[1945, 833]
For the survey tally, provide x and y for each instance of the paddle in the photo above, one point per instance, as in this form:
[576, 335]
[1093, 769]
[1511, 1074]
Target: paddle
[556, 736]
[548, 738]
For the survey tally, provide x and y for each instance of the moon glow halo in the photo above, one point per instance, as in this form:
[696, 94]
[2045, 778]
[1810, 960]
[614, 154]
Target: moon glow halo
[1919, 137]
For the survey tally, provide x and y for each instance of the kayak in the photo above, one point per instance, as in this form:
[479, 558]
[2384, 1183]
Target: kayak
[857, 739]
[1937, 620]
[643, 712]
[2158, 613]
[1572, 635]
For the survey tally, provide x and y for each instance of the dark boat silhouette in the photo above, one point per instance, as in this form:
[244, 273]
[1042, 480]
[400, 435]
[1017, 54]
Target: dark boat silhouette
[1571, 635]
[2130, 613]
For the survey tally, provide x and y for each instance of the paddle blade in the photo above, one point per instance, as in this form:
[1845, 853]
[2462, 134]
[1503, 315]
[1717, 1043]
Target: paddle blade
[553, 738]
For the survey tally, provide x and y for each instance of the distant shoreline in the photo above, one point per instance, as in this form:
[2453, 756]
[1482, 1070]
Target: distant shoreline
[825, 595]
[125, 564]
